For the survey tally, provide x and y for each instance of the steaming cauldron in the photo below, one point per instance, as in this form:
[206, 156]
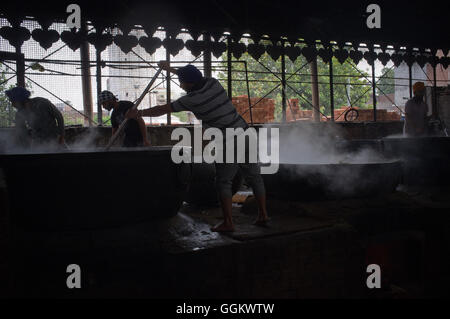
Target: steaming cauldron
[426, 159]
[90, 189]
[304, 182]
[202, 190]
[359, 145]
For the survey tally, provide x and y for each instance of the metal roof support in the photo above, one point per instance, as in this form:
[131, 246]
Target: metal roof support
[374, 92]
[283, 84]
[434, 108]
[168, 88]
[410, 81]
[20, 68]
[86, 79]
[248, 93]
[207, 56]
[229, 69]
[98, 76]
[331, 89]
[315, 89]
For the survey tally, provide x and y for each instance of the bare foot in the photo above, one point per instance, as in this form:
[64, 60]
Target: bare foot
[263, 222]
[223, 228]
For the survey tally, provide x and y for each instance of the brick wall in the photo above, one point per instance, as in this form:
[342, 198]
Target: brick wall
[295, 113]
[366, 115]
[262, 111]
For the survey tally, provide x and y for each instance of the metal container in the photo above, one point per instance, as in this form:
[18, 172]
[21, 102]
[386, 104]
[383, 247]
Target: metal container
[426, 159]
[305, 182]
[357, 145]
[202, 190]
[93, 189]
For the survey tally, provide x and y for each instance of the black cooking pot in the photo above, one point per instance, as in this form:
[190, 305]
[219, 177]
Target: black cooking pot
[426, 159]
[91, 189]
[357, 145]
[305, 182]
[202, 190]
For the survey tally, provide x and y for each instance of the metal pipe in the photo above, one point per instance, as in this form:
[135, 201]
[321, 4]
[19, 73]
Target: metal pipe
[168, 89]
[374, 92]
[230, 69]
[86, 78]
[207, 56]
[331, 89]
[434, 108]
[218, 78]
[248, 94]
[315, 89]
[410, 81]
[99, 86]
[283, 85]
[20, 68]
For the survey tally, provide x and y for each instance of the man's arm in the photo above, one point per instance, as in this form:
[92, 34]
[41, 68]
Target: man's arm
[152, 112]
[165, 65]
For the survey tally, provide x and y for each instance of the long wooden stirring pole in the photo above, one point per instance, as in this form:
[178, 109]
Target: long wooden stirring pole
[139, 100]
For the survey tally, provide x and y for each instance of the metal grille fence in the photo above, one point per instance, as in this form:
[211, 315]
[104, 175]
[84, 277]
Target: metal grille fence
[55, 74]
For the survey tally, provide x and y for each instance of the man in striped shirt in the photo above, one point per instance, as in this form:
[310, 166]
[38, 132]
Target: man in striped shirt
[209, 102]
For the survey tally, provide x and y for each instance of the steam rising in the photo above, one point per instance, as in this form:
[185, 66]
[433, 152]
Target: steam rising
[87, 140]
[324, 144]
[317, 161]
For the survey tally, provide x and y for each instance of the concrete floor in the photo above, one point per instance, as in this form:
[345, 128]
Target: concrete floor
[309, 250]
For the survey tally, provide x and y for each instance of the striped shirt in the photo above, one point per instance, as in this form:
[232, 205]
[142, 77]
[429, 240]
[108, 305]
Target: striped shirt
[210, 104]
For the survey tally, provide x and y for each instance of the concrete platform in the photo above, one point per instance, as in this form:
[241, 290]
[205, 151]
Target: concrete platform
[309, 250]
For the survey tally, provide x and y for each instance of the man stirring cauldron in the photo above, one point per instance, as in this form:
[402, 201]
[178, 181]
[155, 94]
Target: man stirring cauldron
[416, 112]
[135, 130]
[209, 102]
[38, 122]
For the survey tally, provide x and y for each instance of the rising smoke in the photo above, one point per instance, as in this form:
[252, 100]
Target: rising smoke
[324, 144]
[87, 140]
[318, 157]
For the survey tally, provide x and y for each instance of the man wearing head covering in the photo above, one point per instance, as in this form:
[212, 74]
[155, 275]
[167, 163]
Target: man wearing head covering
[38, 121]
[208, 101]
[416, 112]
[135, 131]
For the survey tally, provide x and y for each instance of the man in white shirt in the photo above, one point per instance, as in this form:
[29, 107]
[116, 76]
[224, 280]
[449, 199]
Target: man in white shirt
[416, 112]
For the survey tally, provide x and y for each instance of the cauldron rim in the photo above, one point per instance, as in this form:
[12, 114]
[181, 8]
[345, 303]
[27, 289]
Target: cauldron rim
[417, 138]
[115, 150]
[386, 162]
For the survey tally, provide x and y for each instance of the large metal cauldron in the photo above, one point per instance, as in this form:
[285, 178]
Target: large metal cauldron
[304, 182]
[357, 145]
[90, 189]
[202, 190]
[426, 159]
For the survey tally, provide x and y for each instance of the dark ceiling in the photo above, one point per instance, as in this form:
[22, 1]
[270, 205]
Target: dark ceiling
[423, 24]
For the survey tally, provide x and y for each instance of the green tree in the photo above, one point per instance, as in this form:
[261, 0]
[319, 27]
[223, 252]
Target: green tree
[181, 115]
[386, 84]
[7, 112]
[260, 82]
